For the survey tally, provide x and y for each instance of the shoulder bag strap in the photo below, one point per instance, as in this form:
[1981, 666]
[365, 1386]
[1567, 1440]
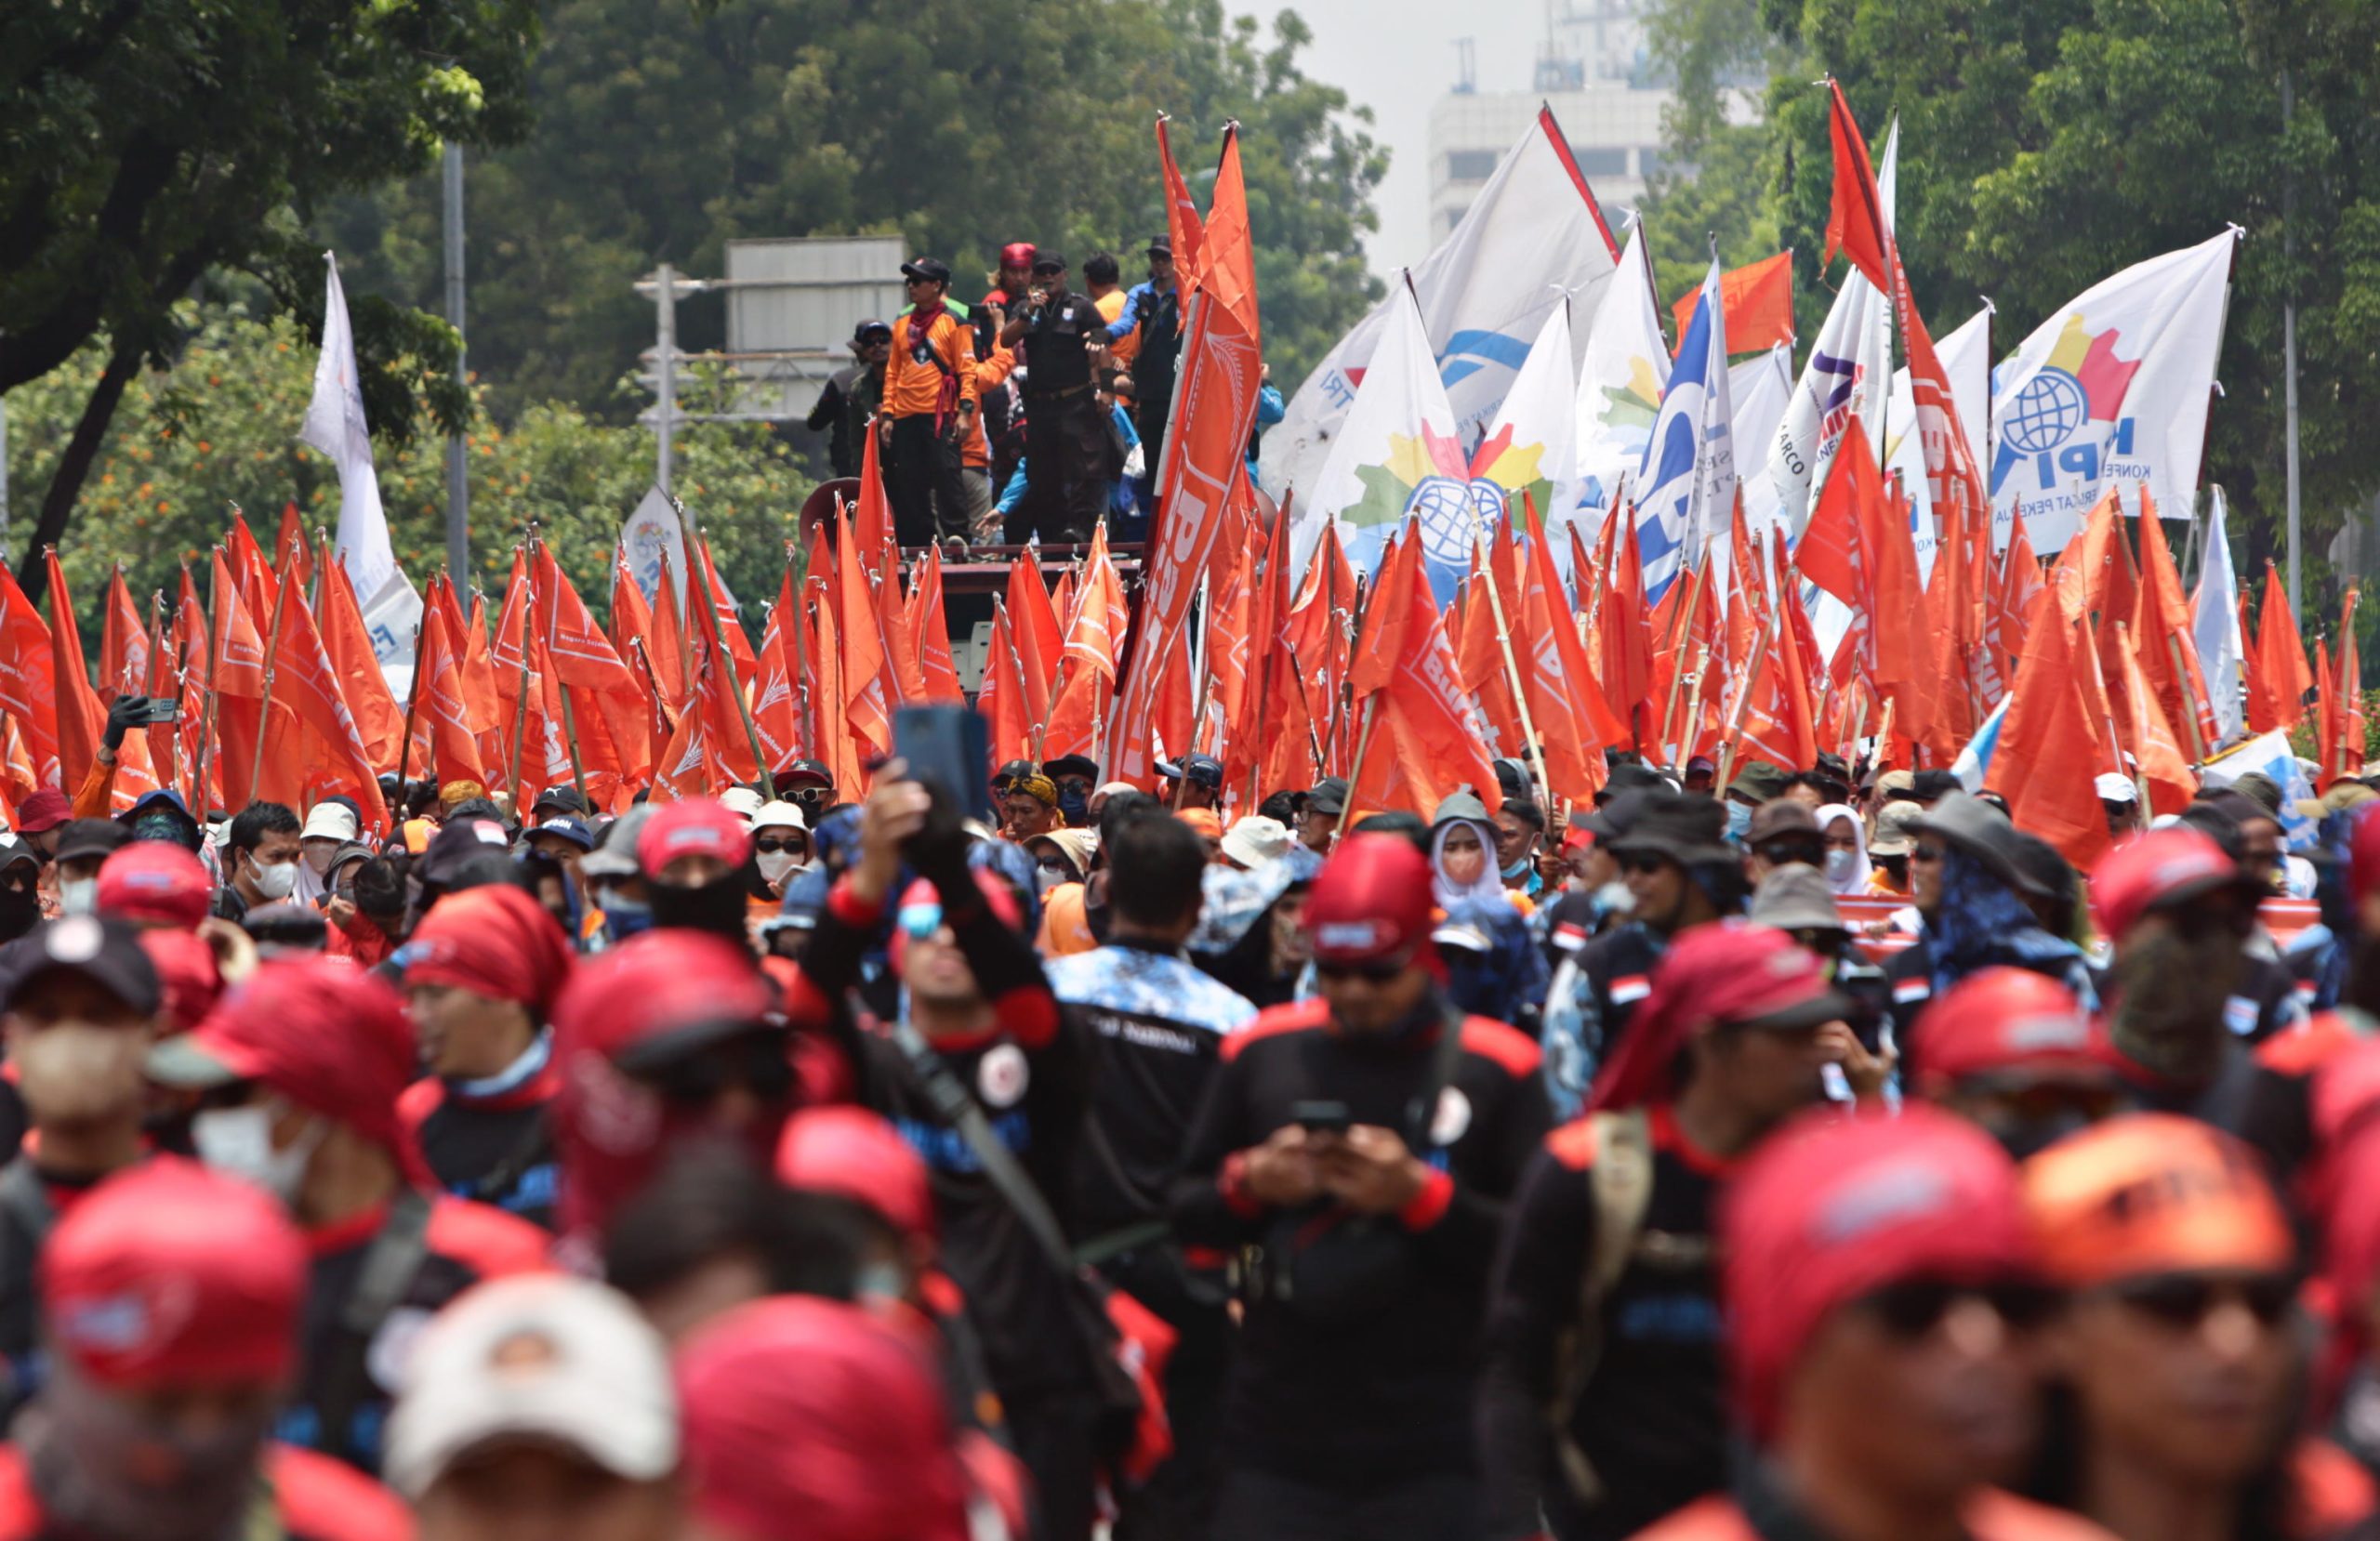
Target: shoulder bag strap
[1621, 1183]
[388, 1271]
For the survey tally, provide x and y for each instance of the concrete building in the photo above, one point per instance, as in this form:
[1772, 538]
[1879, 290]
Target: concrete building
[1592, 70]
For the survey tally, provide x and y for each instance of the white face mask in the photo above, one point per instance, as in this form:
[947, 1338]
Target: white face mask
[274, 880]
[78, 896]
[1840, 864]
[775, 865]
[318, 855]
[238, 1142]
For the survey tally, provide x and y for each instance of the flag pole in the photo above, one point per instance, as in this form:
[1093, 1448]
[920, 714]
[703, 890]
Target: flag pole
[412, 696]
[149, 685]
[206, 717]
[1743, 702]
[1511, 665]
[520, 697]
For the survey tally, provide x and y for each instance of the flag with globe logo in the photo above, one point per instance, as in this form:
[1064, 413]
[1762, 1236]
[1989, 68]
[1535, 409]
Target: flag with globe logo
[2111, 389]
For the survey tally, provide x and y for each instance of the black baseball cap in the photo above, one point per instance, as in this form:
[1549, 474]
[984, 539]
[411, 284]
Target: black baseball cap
[806, 770]
[932, 269]
[564, 799]
[87, 838]
[1329, 796]
[1049, 262]
[1160, 245]
[1197, 769]
[868, 330]
[1071, 765]
[107, 952]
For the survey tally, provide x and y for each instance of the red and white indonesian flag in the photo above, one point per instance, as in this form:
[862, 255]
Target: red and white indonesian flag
[1532, 235]
[2111, 390]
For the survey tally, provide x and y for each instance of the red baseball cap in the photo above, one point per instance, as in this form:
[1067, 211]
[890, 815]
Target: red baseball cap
[1833, 1207]
[1729, 971]
[2165, 866]
[693, 826]
[494, 941]
[45, 810]
[2213, 1207]
[1370, 901]
[1017, 254]
[320, 1031]
[155, 883]
[171, 1275]
[2003, 1019]
[810, 1419]
[188, 972]
[852, 1151]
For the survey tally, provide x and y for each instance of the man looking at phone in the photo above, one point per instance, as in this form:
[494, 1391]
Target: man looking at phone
[1368, 1140]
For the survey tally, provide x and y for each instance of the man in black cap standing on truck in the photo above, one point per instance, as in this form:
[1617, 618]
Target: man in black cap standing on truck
[1066, 434]
[851, 397]
[930, 396]
[1154, 309]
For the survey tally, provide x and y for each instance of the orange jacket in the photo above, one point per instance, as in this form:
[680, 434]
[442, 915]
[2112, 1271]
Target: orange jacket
[989, 373]
[915, 389]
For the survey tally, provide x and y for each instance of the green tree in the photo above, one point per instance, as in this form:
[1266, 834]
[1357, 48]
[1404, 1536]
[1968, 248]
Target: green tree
[213, 430]
[150, 144]
[666, 130]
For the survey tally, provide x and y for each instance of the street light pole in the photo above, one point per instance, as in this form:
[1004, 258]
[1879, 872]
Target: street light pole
[665, 336]
[459, 491]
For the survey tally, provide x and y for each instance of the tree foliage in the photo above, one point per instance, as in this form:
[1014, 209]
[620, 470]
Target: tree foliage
[665, 130]
[213, 429]
[2045, 145]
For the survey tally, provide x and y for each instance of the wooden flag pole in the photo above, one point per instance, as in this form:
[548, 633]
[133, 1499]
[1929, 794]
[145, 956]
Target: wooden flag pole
[1692, 602]
[404, 747]
[1743, 702]
[149, 687]
[1512, 664]
[206, 717]
[1363, 741]
[521, 698]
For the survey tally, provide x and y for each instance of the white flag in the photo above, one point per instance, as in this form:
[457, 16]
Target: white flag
[392, 616]
[1966, 359]
[1759, 387]
[2214, 624]
[1530, 447]
[1532, 235]
[1621, 381]
[1845, 376]
[1689, 469]
[652, 538]
[2112, 389]
[1396, 455]
[335, 425]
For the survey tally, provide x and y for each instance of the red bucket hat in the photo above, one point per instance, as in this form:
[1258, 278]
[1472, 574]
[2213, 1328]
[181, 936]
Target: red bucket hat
[494, 941]
[2006, 1020]
[1725, 972]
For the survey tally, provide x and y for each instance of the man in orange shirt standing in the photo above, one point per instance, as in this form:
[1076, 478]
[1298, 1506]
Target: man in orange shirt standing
[930, 396]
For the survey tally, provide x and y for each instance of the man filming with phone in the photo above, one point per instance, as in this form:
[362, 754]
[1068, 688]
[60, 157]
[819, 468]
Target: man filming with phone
[978, 1073]
[93, 799]
[1364, 1145]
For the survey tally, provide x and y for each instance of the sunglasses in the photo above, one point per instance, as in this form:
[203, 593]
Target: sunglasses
[2184, 1301]
[1911, 1309]
[777, 848]
[756, 1061]
[2042, 1101]
[1640, 862]
[1779, 853]
[1378, 972]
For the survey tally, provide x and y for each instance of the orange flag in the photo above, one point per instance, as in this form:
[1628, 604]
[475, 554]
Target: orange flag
[28, 680]
[1571, 719]
[79, 713]
[2339, 705]
[606, 702]
[1855, 220]
[378, 716]
[123, 643]
[2163, 628]
[1002, 698]
[2283, 681]
[1756, 301]
[2049, 746]
[931, 626]
[255, 576]
[2149, 736]
[1418, 743]
[1626, 641]
[868, 702]
[831, 739]
[1479, 662]
[305, 678]
[1183, 226]
[290, 547]
[1033, 625]
[1085, 693]
[1277, 726]
[446, 740]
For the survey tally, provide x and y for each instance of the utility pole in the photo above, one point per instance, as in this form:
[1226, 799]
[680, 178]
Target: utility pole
[459, 491]
[2289, 336]
[665, 346]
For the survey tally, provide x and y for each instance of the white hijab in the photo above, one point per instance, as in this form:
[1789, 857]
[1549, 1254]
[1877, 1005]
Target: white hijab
[1491, 882]
[1854, 880]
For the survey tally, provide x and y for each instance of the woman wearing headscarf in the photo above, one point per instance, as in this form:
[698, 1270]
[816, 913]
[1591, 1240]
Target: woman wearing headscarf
[1462, 853]
[1982, 911]
[1848, 868]
[1251, 933]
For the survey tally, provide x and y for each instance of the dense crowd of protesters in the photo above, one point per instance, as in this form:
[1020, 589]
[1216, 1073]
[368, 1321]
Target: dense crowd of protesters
[1814, 1157]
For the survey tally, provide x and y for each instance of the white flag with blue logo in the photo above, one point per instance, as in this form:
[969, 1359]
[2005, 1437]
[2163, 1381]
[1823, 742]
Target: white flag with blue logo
[2111, 390]
[1532, 235]
[1621, 381]
[1689, 475]
[2214, 624]
[1530, 448]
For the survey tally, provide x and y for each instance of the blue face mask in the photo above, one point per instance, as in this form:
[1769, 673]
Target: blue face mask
[624, 916]
[1074, 803]
[1739, 820]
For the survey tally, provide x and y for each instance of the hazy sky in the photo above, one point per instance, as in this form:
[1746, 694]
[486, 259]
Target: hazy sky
[1398, 57]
